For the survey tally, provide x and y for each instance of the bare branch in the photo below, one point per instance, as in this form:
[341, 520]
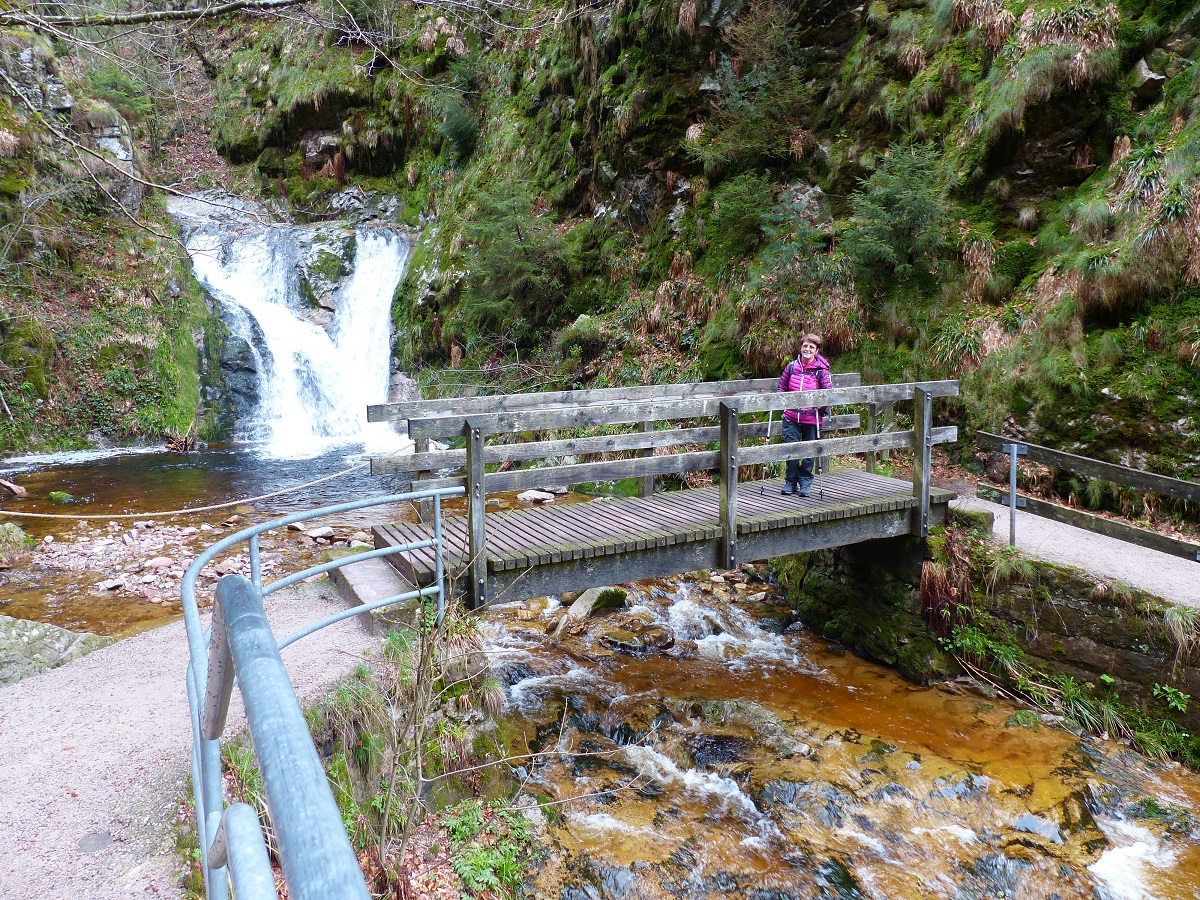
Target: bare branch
[88, 20]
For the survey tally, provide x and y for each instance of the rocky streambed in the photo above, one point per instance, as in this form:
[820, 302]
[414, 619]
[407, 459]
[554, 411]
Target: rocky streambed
[82, 586]
[695, 741]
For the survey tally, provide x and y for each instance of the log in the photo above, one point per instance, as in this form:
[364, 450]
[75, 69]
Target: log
[15, 489]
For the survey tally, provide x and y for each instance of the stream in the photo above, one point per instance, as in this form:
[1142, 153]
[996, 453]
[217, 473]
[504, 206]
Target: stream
[700, 743]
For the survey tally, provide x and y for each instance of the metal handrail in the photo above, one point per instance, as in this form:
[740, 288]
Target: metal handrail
[314, 850]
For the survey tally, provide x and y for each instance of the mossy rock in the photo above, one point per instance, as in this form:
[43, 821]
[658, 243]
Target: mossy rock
[27, 347]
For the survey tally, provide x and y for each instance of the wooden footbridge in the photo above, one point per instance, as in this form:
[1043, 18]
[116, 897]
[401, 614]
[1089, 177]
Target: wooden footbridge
[641, 433]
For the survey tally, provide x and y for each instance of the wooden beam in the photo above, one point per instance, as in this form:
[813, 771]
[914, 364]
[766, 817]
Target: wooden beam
[1094, 468]
[647, 485]
[1112, 528]
[433, 461]
[700, 460]
[872, 428]
[923, 458]
[628, 412]
[476, 517]
[470, 406]
[727, 507]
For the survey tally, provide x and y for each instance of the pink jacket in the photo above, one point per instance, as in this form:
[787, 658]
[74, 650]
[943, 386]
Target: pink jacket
[797, 378]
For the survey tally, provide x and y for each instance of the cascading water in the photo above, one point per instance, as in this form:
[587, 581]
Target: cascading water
[312, 383]
[692, 746]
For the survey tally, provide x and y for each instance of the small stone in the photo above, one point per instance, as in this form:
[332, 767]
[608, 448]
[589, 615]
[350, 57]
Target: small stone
[719, 579]
[324, 532]
[149, 579]
[158, 562]
[295, 526]
[358, 544]
[535, 497]
[48, 539]
[206, 527]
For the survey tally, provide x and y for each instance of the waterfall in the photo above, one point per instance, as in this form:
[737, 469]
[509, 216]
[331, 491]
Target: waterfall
[312, 383]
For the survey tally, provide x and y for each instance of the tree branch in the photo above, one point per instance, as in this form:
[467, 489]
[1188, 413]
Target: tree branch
[22, 17]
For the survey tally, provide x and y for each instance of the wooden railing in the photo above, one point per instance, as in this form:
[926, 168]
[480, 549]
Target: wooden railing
[1091, 468]
[479, 418]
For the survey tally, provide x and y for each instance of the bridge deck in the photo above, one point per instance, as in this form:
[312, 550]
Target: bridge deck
[556, 547]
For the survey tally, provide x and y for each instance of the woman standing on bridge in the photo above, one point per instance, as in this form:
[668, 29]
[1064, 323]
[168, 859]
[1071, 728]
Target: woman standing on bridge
[807, 372]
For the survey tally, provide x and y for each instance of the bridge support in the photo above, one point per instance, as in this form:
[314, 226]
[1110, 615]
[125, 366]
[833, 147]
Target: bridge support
[729, 485]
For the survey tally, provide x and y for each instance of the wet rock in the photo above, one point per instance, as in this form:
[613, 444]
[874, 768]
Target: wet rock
[815, 800]
[767, 728]
[597, 600]
[30, 648]
[630, 720]
[532, 496]
[639, 639]
[717, 751]
[1032, 824]
[957, 790]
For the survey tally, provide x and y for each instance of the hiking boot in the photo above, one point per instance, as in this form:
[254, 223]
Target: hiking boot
[788, 489]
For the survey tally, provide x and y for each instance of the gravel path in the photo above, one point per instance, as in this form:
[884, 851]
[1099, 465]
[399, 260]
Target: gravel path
[1171, 577]
[96, 755]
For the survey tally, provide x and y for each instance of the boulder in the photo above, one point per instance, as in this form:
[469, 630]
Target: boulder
[30, 648]
[597, 600]
[1146, 83]
[535, 497]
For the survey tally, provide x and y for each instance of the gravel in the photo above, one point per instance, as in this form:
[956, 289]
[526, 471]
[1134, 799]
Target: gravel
[96, 754]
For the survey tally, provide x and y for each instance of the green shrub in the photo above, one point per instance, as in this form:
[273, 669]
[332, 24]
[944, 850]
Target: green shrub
[460, 127]
[903, 217]
[112, 83]
[738, 206]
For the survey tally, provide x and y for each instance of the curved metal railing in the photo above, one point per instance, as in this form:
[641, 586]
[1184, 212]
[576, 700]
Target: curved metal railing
[314, 850]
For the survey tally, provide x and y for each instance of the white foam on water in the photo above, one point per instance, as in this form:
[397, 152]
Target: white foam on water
[603, 823]
[530, 694]
[964, 835]
[708, 785]
[1122, 870]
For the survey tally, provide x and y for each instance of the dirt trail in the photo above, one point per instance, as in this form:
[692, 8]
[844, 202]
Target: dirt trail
[96, 755]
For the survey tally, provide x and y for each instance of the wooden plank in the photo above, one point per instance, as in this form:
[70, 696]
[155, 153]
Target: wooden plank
[435, 460]
[612, 470]
[1094, 468]
[1110, 527]
[859, 443]
[473, 406]
[628, 412]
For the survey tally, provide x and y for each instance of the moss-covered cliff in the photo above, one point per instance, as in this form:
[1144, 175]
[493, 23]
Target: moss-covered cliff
[1001, 191]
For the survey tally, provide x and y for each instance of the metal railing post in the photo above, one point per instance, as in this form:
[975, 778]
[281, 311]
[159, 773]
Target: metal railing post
[729, 485]
[439, 565]
[1013, 450]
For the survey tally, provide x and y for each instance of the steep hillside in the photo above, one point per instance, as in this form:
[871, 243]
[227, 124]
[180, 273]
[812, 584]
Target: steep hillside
[103, 333]
[1004, 192]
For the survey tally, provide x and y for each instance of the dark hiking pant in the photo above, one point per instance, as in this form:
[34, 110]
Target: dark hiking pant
[799, 471]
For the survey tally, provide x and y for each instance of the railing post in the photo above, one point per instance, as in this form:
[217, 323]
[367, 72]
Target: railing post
[647, 480]
[424, 507]
[729, 481]
[872, 428]
[922, 457]
[476, 507]
[1013, 450]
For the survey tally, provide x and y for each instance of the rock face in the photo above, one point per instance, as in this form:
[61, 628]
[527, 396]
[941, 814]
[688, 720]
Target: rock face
[30, 648]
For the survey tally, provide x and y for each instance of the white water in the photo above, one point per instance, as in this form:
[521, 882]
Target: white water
[314, 384]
